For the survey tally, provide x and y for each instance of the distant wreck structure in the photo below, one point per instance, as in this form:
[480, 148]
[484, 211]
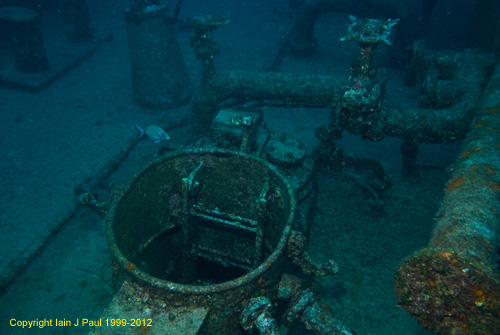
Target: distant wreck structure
[26, 42]
[159, 74]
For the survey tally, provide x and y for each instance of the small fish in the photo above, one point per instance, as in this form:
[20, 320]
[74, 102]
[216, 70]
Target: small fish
[154, 133]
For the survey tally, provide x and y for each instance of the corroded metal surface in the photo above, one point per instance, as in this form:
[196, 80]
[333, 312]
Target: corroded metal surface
[134, 305]
[257, 315]
[200, 229]
[369, 30]
[305, 308]
[453, 285]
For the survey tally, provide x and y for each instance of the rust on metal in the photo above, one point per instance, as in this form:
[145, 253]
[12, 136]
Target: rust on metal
[453, 285]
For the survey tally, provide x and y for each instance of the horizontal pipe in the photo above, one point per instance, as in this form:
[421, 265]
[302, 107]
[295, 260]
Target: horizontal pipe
[291, 89]
[429, 125]
[452, 286]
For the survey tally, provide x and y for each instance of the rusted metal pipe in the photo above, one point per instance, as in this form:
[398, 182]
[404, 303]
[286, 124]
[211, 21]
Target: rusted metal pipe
[453, 285]
[292, 89]
[295, 90]
[437, 125]
[303, 307]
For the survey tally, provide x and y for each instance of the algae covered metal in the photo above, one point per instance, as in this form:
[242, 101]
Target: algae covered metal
[194, 235]
[453, 285]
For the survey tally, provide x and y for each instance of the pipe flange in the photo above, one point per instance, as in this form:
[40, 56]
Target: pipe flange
[257, 315]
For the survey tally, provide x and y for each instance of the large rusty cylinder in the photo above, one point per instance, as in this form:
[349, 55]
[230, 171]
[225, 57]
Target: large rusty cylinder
[291, 89]
[194, 232]
[453, 285]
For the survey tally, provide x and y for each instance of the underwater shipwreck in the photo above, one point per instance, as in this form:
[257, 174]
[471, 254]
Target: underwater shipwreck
[219, 222]
[212, 239]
